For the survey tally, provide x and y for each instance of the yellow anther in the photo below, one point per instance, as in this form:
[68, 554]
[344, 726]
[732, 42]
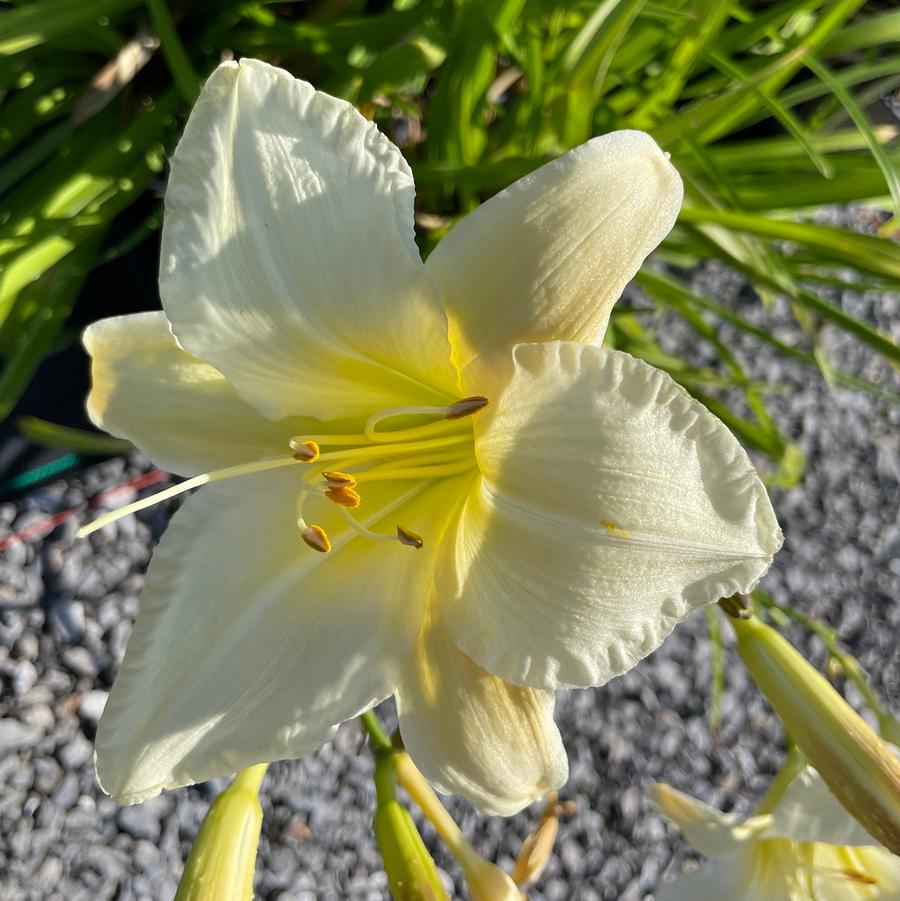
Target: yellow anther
[344, 496]
[316, 538]
[410, 539]
[305, 451]
[465, 407]
[859, 876]
[339, 480]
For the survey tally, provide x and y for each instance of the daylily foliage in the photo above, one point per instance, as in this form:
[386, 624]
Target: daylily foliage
[354, 542]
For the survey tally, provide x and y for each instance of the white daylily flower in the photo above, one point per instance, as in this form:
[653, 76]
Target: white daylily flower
[807, 849]
[567, 525]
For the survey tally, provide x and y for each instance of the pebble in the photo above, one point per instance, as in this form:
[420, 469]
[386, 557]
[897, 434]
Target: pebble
[67, 620]
[76, 753]
[92, 704]
[80, 661]
[15, 736]
[140, 821]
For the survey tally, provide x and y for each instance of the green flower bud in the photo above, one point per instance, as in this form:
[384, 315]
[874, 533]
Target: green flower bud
[222, 861]
[855, 763]
[411, 872]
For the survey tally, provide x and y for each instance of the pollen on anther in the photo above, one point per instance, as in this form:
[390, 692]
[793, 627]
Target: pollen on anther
[410, 539]
[316, 538]
[859, 876]
[343, 496]
[465, 407]
[339, 479]
[305, 451]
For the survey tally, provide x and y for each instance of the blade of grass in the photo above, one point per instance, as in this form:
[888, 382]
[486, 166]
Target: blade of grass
[40, 21]
[823, 73]
[186, 79]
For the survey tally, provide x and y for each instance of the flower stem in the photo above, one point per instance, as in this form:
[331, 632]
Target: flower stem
[792, 765]
[377, 735]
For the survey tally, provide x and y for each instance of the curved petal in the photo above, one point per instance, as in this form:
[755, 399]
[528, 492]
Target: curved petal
[808, 812]
[611, 504]
[549, 256]
[473, 734]
[288, 259]
[710, 831]
[729, 878]
[180, 411]
[249, 646]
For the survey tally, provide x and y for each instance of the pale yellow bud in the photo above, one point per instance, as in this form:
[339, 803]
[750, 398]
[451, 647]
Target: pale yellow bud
[221, 863]
[854, 762]
[537, 849]
[486, 881]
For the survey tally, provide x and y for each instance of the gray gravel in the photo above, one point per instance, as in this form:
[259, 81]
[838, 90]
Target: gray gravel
[66, 610]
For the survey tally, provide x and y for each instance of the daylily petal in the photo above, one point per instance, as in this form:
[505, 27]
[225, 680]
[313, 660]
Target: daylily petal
[473, 734]
[733, 877]
[777, 870]
[180, 411]
[611, 504]
[288, 259]
[708, 830]
[549, 256]
[808, 812]
[249, 646]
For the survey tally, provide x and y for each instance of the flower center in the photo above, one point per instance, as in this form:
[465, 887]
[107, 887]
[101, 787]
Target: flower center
[420, 453]
[341, 465]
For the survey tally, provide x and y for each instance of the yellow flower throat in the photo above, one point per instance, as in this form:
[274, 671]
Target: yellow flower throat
[349, 462]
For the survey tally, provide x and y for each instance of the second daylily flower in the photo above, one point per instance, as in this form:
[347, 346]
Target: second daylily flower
[801, 846]
[471, 565]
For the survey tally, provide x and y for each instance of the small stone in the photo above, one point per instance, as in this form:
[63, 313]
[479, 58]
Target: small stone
[66, 794]
[39, 717]
[76, 753]
[140, 821]
[27, 647]
[49, 874]
[15, 735]
[80, 661]
[92, 704]
[47, 773]
[24, 677]
[66, 619]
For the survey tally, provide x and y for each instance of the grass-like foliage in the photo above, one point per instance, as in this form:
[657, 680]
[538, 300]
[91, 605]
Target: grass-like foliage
[766, 108]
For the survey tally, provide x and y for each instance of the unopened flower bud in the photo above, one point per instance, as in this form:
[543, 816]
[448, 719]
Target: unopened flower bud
[486, 881]
[537, 849]
[412, 874]
[221, 863]
[854, 762]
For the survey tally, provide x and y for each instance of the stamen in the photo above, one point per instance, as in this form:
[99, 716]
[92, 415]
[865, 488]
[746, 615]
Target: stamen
[362, 530]
[316, 538]
[859, 876]
[218, 475]
[394, 450]
[339, 479]
[455, 466]
[343, 496]
[410, 539]
[466, 407]
[404, 536]
[304, 451]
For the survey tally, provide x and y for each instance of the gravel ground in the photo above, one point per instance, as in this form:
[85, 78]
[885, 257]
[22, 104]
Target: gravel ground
[66, 610]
